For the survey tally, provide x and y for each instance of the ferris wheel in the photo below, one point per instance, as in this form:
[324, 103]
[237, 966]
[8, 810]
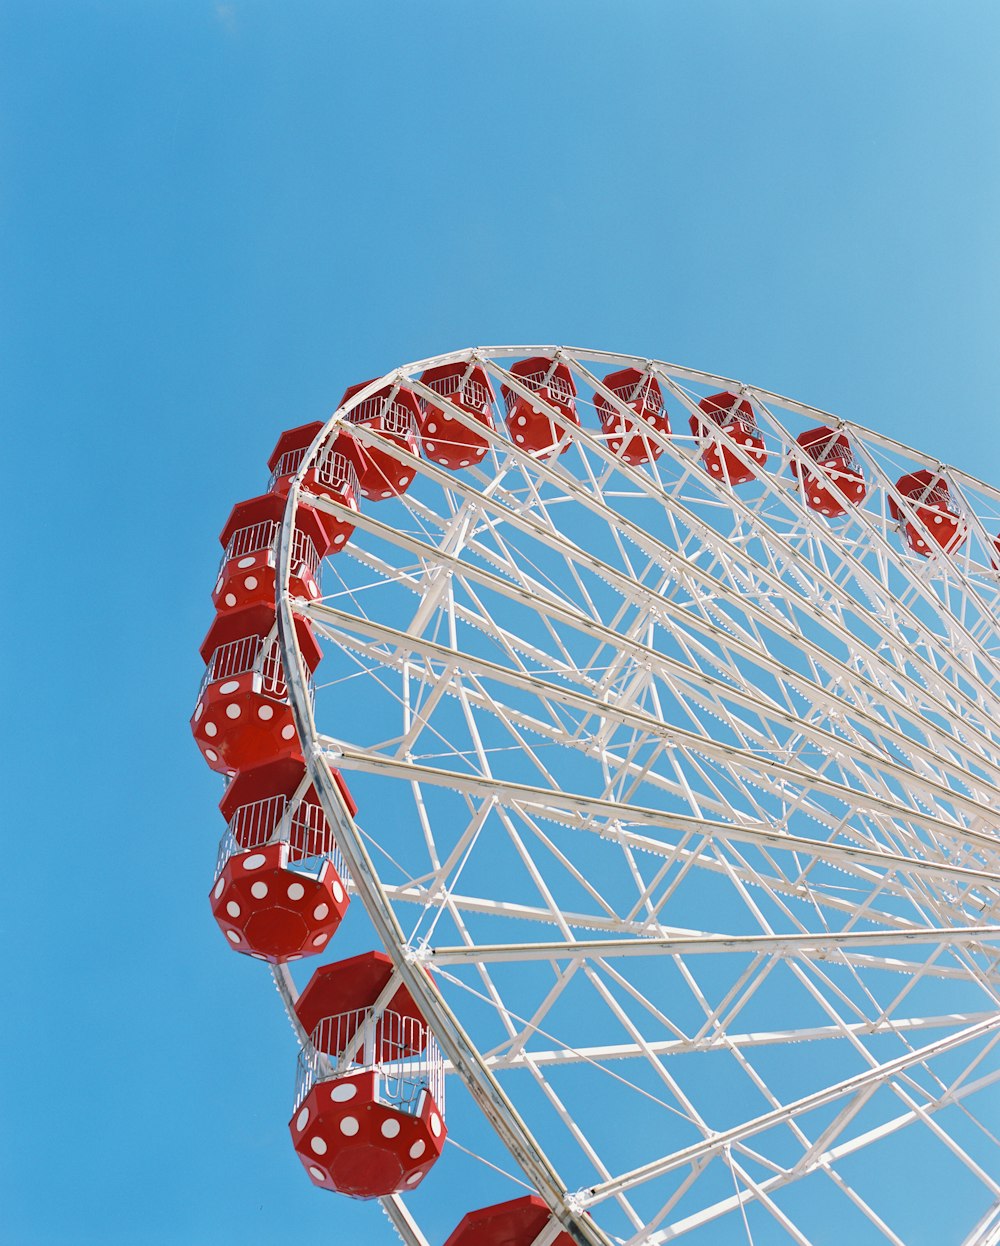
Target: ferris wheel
[651, 722]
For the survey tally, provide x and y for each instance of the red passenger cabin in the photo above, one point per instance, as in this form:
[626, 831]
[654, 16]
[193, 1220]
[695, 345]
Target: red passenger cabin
[936, 523]
[518, 1222]
[728, 420]
[446, 439]
[331, 475]
[393, 412]
[529, 423]
[640, 393]
[242, 718]
[836, 466]
[280, 888]
[250, 542]
[368, 1119]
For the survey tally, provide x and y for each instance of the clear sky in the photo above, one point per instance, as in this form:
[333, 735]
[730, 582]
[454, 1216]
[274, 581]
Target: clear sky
[214, 217]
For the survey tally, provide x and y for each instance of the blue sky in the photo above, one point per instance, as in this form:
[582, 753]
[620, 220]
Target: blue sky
[216, 216]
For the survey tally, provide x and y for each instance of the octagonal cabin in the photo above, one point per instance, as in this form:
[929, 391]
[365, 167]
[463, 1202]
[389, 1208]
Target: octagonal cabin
[331, 475]
[724, 421]
[242, 717]
[931, 522]
[529, 421]
[393, 413]
[518, 1222]
[250, 543]
[836, 481]
[627, 434]
[446, 438]
[369, 1109]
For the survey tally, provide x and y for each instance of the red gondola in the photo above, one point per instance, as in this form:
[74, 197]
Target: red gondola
[445, 439]
[515, 1223]
[641, 393]
[529, 424]
[250, 540]
[836, 465]
[937, 524]
[368, 1119]
[395, 417]
[728, 418]
[242, 718]
[332, 475]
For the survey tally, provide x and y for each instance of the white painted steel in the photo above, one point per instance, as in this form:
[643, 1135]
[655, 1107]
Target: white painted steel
[688, 797]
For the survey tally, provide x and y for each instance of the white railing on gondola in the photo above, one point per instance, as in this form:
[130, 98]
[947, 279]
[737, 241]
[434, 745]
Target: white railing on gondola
[333, 469]
[255, 538]
[257, 655]
[557, 386]
[395, 418]
[399, 1050]
[474, 393]
[301, 824]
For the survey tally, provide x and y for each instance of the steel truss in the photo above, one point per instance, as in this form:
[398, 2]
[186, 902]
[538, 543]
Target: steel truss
[688, 797]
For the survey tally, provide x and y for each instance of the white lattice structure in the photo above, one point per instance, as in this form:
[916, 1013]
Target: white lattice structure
[688, 798]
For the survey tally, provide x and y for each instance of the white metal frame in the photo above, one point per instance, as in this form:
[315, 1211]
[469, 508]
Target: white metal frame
[793, 713]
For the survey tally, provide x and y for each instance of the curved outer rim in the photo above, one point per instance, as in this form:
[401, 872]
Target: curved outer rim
[456, 1044]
